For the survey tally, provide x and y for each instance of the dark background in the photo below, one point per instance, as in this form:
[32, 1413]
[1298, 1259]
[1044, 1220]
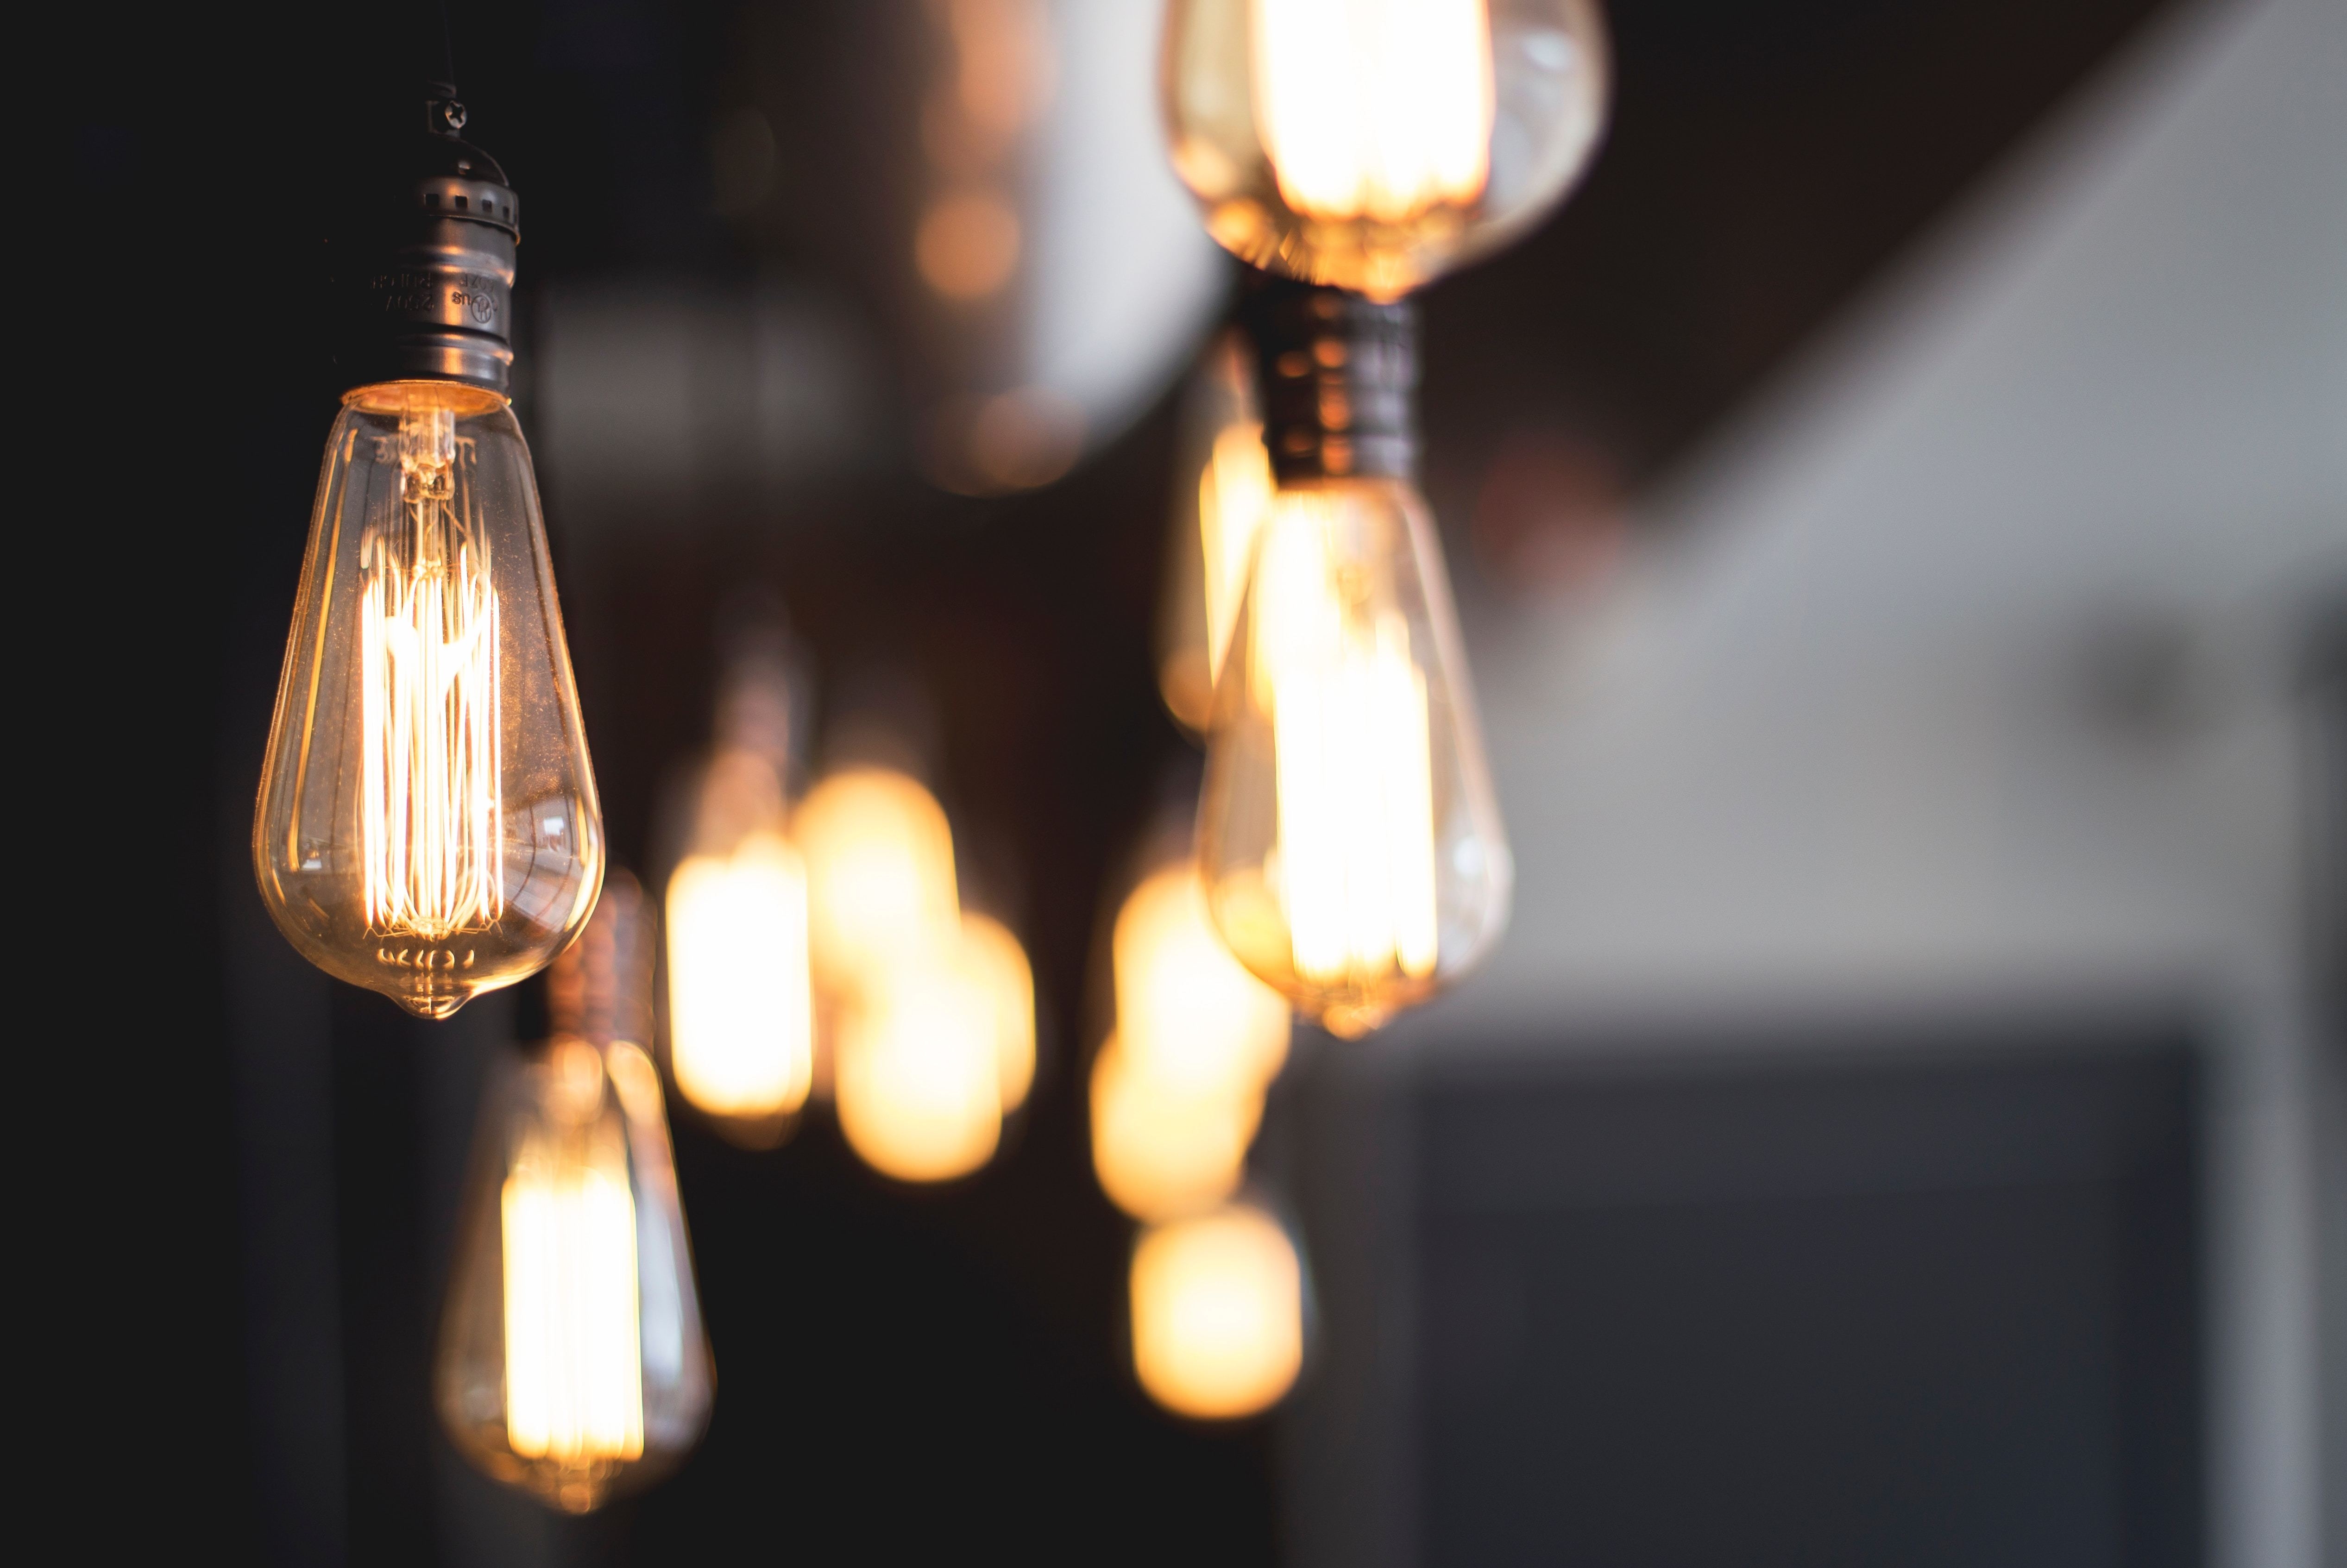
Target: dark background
[899, 1372]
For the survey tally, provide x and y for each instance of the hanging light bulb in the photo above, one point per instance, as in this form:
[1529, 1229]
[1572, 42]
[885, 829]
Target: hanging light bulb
[1214, 527]
[427, 825]
[918, 1076]
[1350, 843]
[741, 1007]
[1001, 963]
[1373, 144]
[572, 1361]
[1218, 1307]
[1177, 1091]
[880, 875]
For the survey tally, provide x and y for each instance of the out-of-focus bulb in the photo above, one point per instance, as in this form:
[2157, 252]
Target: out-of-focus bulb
[1351, 845]
[1214, 526]
[1373, 144]
[741, 1008]
[1177, 1091]
[1218, 1313]
[427, 826]
[572, 1362]
[919, 1073]
[1162, 1146]
[880, 875]
[999, 962]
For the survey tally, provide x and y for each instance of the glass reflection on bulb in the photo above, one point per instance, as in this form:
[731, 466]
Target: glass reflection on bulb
[427, 825]
[1351, 847]
[1373, 144]
[572, 1361]
[1218, 1313]
[1214, 528]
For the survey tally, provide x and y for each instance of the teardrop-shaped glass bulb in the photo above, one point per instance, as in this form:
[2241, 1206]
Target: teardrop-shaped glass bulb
[427, 825]
[1376, 144]
[572, 1360]
[1351, 847]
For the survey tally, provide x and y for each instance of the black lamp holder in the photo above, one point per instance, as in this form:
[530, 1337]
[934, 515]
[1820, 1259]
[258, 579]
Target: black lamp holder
[1337, 377]
[425, 268]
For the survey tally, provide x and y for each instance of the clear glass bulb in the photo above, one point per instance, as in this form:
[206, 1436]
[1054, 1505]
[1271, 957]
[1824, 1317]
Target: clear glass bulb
[572, 1360]
[1219, 1308]
[1373, 144]
[427, 826]
[1351, 847]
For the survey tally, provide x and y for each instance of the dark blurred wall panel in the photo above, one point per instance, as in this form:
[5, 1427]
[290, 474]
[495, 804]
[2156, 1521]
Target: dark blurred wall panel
[1887, 1307]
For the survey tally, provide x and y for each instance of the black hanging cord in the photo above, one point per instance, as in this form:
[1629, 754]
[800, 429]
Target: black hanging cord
[444, 114]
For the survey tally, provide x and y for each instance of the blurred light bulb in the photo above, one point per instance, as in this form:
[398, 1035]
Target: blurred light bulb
[919, 1075]
[1373, 144]
[1352, 848]
[1000, 964]
[1214, 530]
[741, 1007]
[1185, 1007]
[1217, 1313]
[1165, 1146]
[427, 826]
[572, 1362]
[880, 875]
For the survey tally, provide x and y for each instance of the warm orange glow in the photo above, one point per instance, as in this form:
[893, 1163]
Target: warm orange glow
[918, 1076]
[1374, 109]
[1164, 1147]
[741, 1012]
[880, 876]
[995, 955]
[573, 1344]
[1355, 870]
[1233, 496]
[968, 244]
[1217, 1314]
[433, 807]
[1184, 1005]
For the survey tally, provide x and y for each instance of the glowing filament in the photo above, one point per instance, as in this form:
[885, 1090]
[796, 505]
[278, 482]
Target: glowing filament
[1234, 495]
[574, 1361]
[741, 1013]
[432, 803]
[1353, 761]
[1375, 109]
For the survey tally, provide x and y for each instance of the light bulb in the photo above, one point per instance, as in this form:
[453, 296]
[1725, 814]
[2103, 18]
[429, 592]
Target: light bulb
[918, 1073]
[1177, 1091]
[572, 1361]
[1373, 144]
[881, 874]
[1165, 1146]
[1214, 524]
[1218, 1313]
[1348, 836]
[1183, 1006]
[741, 1008]
[1001, 963]
[427, 825]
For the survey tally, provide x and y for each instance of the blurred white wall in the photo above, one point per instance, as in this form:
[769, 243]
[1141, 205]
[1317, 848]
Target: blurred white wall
[1961, 672]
